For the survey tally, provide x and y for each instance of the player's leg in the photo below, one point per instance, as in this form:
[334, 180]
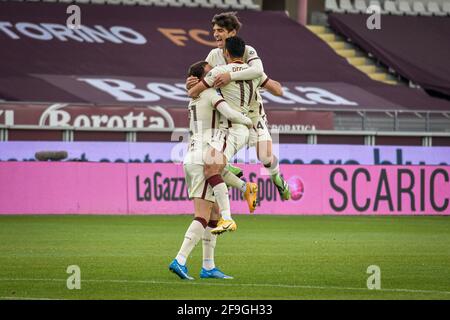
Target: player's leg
[238, 136]
[204, 199]
[270, 162]
[249, 189]
[209, 269]
[261, 138]
[192, 236]
[234, 170]
[214, 163]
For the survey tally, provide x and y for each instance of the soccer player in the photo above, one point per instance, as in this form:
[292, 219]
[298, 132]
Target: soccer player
[231, 137]
[227, 25]
[202, 121]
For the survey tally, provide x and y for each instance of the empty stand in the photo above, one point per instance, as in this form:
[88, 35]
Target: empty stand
[405, 8]
[416, 48]
[354, 56]
[419, 8]
[220, 4]
[392, 7]
[360, 6]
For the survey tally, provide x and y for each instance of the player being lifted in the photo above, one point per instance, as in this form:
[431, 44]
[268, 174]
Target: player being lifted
[231, 137]
[226, 25]
[203, 121]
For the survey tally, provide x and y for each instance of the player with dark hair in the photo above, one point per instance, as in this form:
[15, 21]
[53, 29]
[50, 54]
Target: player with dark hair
[232, 137]
[226, 25]
[204, 191]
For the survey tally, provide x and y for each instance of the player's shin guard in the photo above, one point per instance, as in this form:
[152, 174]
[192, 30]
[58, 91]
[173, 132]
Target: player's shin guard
[209, 244]
[191, 238]
[221, 193]
[233, 181]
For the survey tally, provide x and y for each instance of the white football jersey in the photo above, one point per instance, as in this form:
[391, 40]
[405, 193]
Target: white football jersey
[216, 58]
[203, 120]
[238, 94]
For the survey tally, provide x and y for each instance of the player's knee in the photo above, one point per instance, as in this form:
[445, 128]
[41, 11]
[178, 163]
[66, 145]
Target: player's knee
[210, 170]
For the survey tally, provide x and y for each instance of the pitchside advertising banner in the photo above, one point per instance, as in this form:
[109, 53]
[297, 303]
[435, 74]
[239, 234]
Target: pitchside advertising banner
[151, 152]
[92, 188]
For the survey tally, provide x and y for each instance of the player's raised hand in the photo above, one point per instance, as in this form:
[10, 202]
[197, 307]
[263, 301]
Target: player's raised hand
[191, 81]
[222, 80]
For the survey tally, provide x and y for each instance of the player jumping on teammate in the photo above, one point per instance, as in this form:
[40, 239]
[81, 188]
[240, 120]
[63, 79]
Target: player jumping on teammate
[227, 25]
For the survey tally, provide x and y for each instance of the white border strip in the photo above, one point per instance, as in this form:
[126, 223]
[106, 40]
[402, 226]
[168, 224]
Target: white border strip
[270, 285]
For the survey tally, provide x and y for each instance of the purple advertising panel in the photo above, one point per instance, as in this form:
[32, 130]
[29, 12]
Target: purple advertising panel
[149, 152]
[63, 188]
[93, 188]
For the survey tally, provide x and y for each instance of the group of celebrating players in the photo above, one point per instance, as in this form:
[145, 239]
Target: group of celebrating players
[225, 114]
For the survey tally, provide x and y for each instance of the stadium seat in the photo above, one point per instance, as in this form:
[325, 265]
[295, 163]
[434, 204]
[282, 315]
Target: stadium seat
[419, 7]
[80, 1]
[360, 6]
[130, 2]
[174, 3]
[332, 6]
[347, 6]
[189, 3]
[144, 2]
[446, 8]
[204, 3]
[219, 4]
[405, 8]
[391, 8]
[234, 4]
[249, 4]
[377, 4]
[160, 3]
[113, 2]
[433, 7]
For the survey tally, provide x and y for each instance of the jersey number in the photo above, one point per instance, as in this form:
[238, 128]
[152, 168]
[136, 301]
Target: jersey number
[241, 86]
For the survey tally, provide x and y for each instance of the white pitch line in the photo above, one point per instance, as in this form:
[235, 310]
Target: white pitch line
[28, 298]
[274, 285]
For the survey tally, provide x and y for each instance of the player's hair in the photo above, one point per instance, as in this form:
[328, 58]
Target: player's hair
[235, 47]
[227, 20]
[197, 69]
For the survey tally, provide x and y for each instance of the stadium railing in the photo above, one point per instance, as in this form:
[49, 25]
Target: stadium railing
[366, 137]
[365, 127]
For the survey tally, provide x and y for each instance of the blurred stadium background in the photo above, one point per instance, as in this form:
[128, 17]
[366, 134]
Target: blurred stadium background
[363, 129]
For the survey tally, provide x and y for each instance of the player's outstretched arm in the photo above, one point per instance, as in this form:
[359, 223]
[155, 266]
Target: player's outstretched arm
[205, 83]
[233, 115]
[274, 87]
[255, 71]
[197, 89]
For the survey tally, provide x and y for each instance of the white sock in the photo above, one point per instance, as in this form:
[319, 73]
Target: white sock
[233, 181]
[209, 243]
[273, 167]
[191, 238]
[221, 193]
[223, 200]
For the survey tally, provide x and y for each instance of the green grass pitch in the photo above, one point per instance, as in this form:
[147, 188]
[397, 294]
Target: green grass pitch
[271, 257]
